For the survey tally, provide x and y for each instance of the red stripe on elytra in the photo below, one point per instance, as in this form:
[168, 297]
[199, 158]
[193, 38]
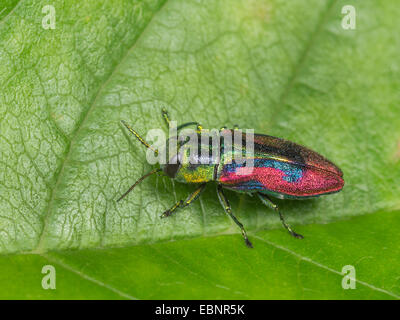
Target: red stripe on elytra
[313, 181]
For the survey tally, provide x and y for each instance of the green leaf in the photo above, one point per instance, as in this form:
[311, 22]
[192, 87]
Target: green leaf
[287, 69]
[222, 267]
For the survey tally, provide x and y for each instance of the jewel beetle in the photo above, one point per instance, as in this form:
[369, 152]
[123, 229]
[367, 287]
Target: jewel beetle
[280, 169]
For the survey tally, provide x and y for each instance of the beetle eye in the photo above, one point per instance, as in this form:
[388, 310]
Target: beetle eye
[171, 169]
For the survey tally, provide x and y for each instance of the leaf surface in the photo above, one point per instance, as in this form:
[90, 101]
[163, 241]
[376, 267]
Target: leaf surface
[285, 69]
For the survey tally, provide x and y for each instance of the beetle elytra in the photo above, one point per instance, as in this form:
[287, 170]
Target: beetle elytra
[280, 168]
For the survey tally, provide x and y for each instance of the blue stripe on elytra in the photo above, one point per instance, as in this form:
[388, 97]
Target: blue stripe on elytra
[251, 185]
[292, 172]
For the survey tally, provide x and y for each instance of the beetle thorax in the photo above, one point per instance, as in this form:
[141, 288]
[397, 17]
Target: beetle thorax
[190, 162]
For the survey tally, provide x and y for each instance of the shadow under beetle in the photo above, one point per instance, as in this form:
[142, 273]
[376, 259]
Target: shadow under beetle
[280, 168]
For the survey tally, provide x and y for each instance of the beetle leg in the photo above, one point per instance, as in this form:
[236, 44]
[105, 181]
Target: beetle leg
[268, 202]
[184, 203]
[180, 127]
[165, 115]
[199, 128]
[225, 203]
[187, 124]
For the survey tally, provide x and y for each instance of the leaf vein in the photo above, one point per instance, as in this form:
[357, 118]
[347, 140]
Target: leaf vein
[39, 248]
[320, 265]
[88, 278]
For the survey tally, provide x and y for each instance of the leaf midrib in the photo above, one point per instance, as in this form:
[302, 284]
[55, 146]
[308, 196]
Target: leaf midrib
[39, 247]
[303, 56]
[322, 266]
[88, 278]
[10, 13]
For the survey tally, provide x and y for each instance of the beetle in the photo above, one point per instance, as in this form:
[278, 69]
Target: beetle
[280, 169]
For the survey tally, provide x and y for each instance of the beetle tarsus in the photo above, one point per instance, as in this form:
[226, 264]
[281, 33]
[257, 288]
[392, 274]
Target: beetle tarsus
[288, 228]
[248, 243]
[268, 202]
[184, 203]
[165, 214]
[296, 235]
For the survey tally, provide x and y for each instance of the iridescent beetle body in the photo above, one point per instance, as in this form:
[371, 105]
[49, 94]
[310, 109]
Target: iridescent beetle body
[280, 168]
[284, 170]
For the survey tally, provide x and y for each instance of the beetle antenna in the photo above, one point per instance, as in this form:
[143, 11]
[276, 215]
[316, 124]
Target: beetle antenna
[139, 137]
[139, 181]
